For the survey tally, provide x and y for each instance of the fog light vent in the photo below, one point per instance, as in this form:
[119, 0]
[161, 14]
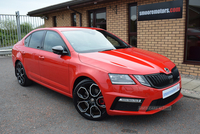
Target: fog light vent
[127, 104]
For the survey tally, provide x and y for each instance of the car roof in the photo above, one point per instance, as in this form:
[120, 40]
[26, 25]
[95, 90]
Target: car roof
[68, 28]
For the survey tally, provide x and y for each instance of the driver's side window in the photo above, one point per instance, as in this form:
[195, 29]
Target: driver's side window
[53, 39]
[113, 41]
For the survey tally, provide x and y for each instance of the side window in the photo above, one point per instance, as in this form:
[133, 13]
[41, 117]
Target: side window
[26, 43]
[36, 39]
[113, 41]
[53, 39]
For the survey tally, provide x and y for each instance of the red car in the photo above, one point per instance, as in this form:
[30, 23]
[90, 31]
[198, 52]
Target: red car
[103, 74]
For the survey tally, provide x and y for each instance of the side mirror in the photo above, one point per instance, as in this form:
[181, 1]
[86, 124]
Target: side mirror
[59, 50]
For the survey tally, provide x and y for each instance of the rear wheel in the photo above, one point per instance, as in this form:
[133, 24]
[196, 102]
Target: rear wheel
[89, 100]
[20, 73]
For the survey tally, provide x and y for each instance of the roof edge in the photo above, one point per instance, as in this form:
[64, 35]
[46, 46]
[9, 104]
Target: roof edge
[41, 11]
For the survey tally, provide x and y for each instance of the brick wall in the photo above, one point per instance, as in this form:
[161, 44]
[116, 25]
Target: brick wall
[63, 18]
[165, 37]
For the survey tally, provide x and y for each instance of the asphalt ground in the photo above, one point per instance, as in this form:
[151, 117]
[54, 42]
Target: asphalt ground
[37, 109]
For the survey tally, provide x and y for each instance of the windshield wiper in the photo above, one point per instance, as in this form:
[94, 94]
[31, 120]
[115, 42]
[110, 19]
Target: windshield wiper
[123, 47]
[106, 50]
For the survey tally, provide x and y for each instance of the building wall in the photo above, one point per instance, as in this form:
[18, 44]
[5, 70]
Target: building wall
[166, 37]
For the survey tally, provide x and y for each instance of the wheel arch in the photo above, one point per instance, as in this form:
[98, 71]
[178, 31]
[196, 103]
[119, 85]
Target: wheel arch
[79, 79]
[94, 75]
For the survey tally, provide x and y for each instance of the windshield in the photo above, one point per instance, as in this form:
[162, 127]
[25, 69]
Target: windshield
[88, 40]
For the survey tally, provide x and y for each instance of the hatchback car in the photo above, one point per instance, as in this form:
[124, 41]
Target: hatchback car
[103, 74]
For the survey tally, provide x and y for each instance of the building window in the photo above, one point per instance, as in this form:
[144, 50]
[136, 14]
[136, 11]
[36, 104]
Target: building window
[97, 18]
[133, 24]
[73, 19]
[192, 45]
[54, 21]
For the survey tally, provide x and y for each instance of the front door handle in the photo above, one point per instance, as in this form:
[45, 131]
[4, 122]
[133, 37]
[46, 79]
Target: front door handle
[41, 57]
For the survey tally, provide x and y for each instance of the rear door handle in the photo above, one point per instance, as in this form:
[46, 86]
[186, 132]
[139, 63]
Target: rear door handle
[41, 57]
[23, 53]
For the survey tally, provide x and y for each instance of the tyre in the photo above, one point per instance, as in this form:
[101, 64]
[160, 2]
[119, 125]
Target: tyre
[89, 101]
[20, 73]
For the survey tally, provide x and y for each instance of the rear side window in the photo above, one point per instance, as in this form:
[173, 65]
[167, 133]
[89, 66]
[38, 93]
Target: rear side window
[36, 39]
[27, 41]
[53, 39]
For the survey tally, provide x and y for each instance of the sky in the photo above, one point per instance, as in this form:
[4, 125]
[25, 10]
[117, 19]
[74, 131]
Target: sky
[25, 6]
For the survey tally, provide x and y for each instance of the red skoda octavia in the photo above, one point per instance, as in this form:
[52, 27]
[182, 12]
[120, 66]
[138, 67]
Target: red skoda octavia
[102, 73]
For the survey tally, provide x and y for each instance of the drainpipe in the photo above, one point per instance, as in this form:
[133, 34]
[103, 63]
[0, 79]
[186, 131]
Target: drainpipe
[80, 15]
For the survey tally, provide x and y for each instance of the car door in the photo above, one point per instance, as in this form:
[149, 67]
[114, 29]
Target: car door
[31, 52]
[54, 67]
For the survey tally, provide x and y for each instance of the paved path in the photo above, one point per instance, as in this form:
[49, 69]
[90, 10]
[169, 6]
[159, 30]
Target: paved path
[191, 87]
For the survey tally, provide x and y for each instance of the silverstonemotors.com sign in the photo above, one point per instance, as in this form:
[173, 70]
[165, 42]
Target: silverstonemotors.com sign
[158, 11]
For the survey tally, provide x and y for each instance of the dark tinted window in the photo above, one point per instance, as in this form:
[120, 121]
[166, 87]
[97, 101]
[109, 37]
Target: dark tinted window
[54, 21]
[73, 19]
[53, 39]
[26, 42]
[193, 32]
[113, 41]
[97, 18]
[36, 39]
[133, 24]
[133, 18]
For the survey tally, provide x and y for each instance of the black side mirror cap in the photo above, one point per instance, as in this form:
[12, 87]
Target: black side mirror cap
[59, 50]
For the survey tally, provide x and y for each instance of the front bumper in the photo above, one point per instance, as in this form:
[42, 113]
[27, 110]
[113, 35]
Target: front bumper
[151, 99]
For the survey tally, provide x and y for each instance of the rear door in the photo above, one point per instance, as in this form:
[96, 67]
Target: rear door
[54, 67]
[31, 54]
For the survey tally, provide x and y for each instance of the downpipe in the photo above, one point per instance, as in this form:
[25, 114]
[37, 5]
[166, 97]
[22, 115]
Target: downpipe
[80, 15]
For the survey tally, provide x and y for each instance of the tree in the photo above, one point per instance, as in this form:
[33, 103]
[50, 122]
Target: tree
[8, 24]
[26, 27]
[8, 31]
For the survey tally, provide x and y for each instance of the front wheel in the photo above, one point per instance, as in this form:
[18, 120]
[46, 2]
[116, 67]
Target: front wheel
[89, 101]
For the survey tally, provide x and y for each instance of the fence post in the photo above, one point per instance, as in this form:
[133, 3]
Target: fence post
[18, 25]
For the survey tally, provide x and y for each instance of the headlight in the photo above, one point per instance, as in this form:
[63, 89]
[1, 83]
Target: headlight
[121, 79]
[142, 80]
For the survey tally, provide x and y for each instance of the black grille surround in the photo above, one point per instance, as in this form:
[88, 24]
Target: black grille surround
[126, 106]
[155, 104]
[162, 80]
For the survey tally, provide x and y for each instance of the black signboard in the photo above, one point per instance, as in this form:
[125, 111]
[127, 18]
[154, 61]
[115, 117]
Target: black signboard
[158, 11]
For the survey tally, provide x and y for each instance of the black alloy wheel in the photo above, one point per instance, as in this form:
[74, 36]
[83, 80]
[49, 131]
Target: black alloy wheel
[89, 101]
[21, 75]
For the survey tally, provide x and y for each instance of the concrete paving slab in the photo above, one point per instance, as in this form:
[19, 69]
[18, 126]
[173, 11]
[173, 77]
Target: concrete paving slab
[190, 93]
[185, 80]
[194, 96]
[197, 89]
[192, 84]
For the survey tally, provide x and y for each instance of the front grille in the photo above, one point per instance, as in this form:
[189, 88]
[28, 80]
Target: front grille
[155, 104]
[125, 106]
[162, 80]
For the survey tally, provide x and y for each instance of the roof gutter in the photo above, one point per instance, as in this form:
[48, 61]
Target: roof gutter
[80, 15]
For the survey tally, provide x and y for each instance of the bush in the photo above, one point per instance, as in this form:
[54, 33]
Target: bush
[8, 32]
